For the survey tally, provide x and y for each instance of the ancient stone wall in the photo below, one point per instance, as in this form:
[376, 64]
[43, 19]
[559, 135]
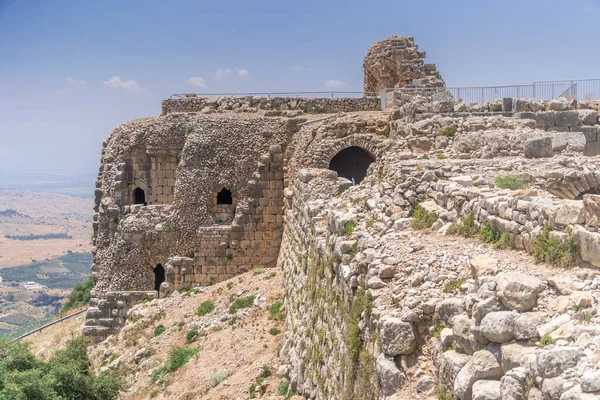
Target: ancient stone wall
[330, 344]
[396, 62]
[254, 103]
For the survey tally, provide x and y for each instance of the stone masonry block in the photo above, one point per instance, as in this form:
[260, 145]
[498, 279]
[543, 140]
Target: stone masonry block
[567, 118]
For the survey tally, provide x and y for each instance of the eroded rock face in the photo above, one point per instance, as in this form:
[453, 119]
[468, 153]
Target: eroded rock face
[397, 336]
[482, 365]
[518, 291]
[396, 62]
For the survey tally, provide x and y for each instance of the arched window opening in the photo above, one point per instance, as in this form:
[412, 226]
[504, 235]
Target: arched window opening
[224, 197]
[159, 277]
[139, 197]
[352, 163]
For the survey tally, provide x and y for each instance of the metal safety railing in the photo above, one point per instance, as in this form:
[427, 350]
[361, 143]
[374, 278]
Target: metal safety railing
[332, 94]
[584, 89]
[39, 329]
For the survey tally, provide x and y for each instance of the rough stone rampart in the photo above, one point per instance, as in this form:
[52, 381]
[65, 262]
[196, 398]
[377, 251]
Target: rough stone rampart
[255, 103]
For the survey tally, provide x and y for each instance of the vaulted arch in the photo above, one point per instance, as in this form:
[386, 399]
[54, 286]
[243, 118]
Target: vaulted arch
[352, 163]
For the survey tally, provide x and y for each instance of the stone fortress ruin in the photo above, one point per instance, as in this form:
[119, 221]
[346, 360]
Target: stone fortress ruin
[327, 190]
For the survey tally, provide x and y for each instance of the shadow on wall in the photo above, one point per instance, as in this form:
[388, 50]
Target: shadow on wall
[352, 163]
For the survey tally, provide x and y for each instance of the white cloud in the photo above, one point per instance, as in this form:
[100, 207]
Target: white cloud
[117, 83]
[74, 81]
[225, 73]
[196, 81]
[334, 84]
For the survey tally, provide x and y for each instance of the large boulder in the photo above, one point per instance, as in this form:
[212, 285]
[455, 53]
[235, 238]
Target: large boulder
[397, 336]
[482, 265]
[553, 362]
[464, 339]
[552, 388]
[590, 381]
[570, 212]
[519, 291]
[591, 207]
[538, 148]
[390, 377]
[449, 365]
[486, 306]
[483, 365]
[589, 244]
[448, 308]
[486, 390]
[499, 326]
[527, 324]
[515, 355]
[513, 384]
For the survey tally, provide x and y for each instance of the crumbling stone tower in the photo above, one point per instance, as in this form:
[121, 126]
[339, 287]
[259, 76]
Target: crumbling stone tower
[397, 62]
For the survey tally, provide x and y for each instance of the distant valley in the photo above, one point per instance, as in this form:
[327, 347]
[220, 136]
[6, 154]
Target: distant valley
[45, 248]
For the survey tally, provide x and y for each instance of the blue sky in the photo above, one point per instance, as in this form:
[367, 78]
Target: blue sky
[71, 71]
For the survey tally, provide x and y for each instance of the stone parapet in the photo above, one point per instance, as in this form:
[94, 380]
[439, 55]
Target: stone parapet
[255, 103]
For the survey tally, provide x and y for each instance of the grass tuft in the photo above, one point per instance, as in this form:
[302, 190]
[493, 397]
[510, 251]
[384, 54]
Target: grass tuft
[205, 308]
[423, 219]
[510, 181]
[159, 330]
[238, 304]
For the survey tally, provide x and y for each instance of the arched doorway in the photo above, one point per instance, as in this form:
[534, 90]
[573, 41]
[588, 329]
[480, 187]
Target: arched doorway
[139, 197]
[352, 163]
[159, 277]
[224, 197]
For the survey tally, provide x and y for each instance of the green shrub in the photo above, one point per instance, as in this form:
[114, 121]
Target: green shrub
[252, 390]
[352, 251]
[548, 248]
[190, 128]
[274, 331]
[148, 353]
[487, 234]
[191, 335]
[283, 387]
[510, 181]
[275, 311]
[80, 294]
[545, 340]
[220, 377]
[159, 330]
[449, 131]
[205, 308]
[441, 156]
[454, 284]
[266, 371]
[238, 304]
[504, 242]
[466, 227]
[159, 375]
[67, 375]
[349, 227]
[179, 356]
[423, 219]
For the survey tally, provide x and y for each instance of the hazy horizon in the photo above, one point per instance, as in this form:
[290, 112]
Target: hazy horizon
[73, 72]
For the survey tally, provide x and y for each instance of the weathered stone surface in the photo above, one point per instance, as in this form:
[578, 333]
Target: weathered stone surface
[587, 117]
[397, 336]
[591, 206]
[538, 148]
[499, 326]
[553, 362]
[483, 264]
[552, 388]
[448, 308]
[462, 327]
[589, 243]
[482, 365]
[513, 384]
[516, 355]
[390, 377]
[570, 212]
[486, 390]
[425, 384]
[449, 365]
[590, 381]
[484, 307]
[519, 291]
[527, 324]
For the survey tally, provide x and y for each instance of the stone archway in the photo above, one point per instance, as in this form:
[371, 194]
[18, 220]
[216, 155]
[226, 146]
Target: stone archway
[352, 163]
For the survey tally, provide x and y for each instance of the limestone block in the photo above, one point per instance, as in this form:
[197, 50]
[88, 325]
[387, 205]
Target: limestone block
[591, 206]
[544, 119]
[587, 117]
[519, 291]
[570, 212]
[482, 365]
[397, 336]
[589, 243]
[390, 377]
[538, 148]
[486, 390]
[553, 362]
[567, 118]
[499, 326]
[516, 355]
